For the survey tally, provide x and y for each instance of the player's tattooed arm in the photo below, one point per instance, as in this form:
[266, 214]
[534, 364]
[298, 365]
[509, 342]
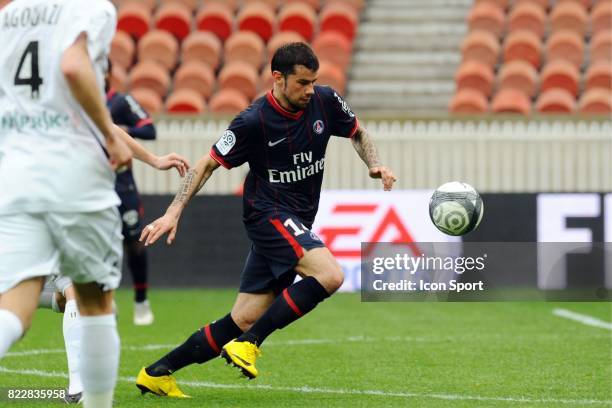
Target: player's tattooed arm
[364, 145]
[193, 182]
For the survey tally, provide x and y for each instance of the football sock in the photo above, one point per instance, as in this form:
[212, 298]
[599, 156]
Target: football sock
[139, 267]
[11, 330]
[72, 341]
[99, 359]
[200, 347]
[294, 302]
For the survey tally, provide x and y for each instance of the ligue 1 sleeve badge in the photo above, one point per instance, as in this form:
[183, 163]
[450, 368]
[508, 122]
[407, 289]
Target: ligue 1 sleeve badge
[318, 127]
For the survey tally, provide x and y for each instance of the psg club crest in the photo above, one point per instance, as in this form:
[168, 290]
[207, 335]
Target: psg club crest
[318, 127]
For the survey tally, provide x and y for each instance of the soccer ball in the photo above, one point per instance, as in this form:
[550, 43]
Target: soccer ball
[456, 208]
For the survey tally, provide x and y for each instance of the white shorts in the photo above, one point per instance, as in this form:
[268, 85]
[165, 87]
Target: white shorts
[85, 247]
[57, 283]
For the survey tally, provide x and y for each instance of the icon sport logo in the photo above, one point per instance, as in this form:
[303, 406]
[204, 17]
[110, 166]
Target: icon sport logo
[318, 127]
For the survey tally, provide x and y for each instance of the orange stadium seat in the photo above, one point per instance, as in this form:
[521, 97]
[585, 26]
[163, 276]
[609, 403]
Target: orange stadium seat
[333, 47]
[195, 75]
[481, 46]
[4, 3]
[273, 4]
[332, 75]
[468, 101]
[523, 45]
[543, 4]
[240, 76]
[160, 46]
[585, 3]
[174, 18]
[202, 46]
[298, 17]
[556, 100]
[339, 17]
[601, 46]
[599, 75]
[528, 16]
[315, 4]
[232, 5]
[122, 49]
[596, 101]
[119, 79]
[511, 101]
[134, 18]
[149, 4]
[185, 101]
[565, 45]
[518, 74]
[356, 5]
[502, 4]
[560, 74]
[487, 16]
[569, 16]
[217, 18]
[601, 16]
[245, 46]
[266, 80]
[228, 101]
[282, 38]
[475, 75]
[148, 99]
[191, 5]
[257, 17]
[152, 75]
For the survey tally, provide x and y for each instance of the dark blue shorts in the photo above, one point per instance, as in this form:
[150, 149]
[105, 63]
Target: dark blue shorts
[131, 208]
[278, 242]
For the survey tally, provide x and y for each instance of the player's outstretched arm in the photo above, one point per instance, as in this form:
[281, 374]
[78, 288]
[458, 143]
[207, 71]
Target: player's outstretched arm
[166, 162]
[364, 146]
[81, 78]
[192, 183]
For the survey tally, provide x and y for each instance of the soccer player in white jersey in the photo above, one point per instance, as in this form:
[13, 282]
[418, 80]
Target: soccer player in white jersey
[58, 205]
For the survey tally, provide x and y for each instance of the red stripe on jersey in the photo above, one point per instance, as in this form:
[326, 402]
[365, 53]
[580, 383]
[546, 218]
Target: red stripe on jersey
[144, 122]
[287, 235]
[354, 129]
[292, 304]
[280, 109]
[111, 92]
[218, 159]
[211, 341]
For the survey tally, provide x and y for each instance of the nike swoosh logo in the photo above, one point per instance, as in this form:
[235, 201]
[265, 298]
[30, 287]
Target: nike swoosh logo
[272, 144]
[246, 363]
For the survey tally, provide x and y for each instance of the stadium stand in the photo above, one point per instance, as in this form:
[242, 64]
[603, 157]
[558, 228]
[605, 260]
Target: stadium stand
[217, 46]
[555, 53]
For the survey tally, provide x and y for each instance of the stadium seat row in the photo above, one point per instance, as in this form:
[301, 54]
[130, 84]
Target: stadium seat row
[216, 51]
[562, 68]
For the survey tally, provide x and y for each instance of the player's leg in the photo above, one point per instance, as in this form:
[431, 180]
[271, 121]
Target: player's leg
[17, 306]
[206, 342]
[28, 255]
[322, 276]
[91, 257]
[71, 327]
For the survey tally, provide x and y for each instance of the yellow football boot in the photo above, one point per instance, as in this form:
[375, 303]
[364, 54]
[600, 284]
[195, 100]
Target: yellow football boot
[164, 386]
[242, 354]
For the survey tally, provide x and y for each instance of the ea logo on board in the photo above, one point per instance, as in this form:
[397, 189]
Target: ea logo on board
[318, 127]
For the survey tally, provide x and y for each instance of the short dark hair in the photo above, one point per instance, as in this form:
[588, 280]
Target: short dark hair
[289, 55]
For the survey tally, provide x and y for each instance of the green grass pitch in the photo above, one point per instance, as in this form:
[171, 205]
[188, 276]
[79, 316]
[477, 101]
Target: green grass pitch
[352, 354]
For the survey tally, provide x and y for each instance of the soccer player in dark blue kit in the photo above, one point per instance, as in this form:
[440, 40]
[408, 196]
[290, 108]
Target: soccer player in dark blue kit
[129, 115]
[283, 137]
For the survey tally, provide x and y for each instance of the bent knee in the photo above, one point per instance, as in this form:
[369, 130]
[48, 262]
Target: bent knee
[244, 322]
[333, 279]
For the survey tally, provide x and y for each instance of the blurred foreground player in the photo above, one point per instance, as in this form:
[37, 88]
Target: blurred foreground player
[128, 114]
[58, 204]
[283, 137]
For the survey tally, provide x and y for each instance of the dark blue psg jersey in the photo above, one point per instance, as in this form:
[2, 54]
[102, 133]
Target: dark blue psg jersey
[285, 152]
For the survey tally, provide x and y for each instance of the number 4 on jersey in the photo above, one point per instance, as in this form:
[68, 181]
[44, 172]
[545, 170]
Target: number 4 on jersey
[34, 80]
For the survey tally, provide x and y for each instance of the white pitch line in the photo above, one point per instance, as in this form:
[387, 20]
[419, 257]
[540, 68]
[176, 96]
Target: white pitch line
[340, 391]
[581, 318]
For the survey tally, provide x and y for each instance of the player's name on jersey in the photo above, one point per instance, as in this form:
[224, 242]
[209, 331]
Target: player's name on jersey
[47, 14]
[44, 121]
[300, 172]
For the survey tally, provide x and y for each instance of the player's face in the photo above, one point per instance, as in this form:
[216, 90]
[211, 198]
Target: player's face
[298, 88]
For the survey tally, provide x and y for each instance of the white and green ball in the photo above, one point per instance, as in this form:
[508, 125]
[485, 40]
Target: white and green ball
[456, 208]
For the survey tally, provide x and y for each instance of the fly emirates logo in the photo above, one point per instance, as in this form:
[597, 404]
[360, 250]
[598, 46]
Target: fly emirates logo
[304, 168]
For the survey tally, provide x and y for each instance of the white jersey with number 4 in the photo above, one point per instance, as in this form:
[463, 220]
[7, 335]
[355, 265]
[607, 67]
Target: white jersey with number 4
[52, 156]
